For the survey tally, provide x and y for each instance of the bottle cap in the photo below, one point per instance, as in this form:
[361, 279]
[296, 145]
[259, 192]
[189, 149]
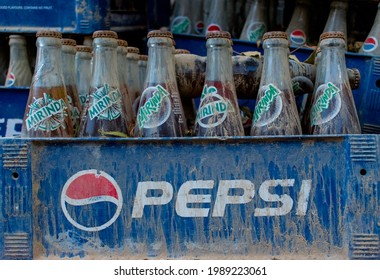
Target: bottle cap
[16, 37]
[218, 34]
[331, 34]
[104, 34]
[181, 51]
[143, 57]
[49, 33]
[357, 78]
[133, 50]
[82, 48]
[68, 42]
[122, 43]
[160, 33]
[275, 35]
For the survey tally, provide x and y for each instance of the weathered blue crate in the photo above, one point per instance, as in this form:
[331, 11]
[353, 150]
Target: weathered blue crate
[249, 197]
[367, 96]
[73, 16]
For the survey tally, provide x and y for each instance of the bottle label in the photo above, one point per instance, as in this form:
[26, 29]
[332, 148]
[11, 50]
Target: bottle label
[157, 108]
[181, 25]
[327, 105]
[298, 37]
[83, 98]
[256, 31]
[74, 111]
[269, 107]
[198, 27]
[46, 114]
[213, 108]
[107, 104]
[370, 44]
[213, 27]
[11, 79]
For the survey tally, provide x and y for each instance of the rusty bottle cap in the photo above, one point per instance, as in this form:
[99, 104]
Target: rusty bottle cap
[68, 42]
[83, 48]
[49, 33]
[331, 35]
[122, 43]
[218, 34]
[275, 35]
[160, 33]
[133, 50]
[105, 34]
[143, 57]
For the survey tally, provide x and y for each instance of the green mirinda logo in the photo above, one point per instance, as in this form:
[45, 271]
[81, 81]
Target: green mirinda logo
[324, 102]
[256, 31]
[181, 24]
[265, 102]
[107, 104]
[46, 114]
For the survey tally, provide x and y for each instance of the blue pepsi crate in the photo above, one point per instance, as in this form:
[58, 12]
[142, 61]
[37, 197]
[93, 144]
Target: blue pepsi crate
[250, 197]
[73, 16]
[367, 96]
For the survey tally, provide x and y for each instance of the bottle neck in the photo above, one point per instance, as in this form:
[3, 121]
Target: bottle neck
[68, 65]
[337, 20]
[219, 60]
[18, 53]
[83, 71]
[105, 63]
[276, 62]
[160, 67]
[331, 65]
[257, 11]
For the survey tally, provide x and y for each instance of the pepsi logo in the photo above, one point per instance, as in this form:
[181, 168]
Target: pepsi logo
[370, 44]
[91, 200]
[298, 37]
[10, 80]
[213, 27]
[199, 26]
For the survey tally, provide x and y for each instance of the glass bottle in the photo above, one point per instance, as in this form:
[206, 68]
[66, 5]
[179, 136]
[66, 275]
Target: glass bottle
[181, 18]
[256, 23]
[218, 113]
[333, 109]
[19, 73]
[133, 75]
[298, 28]
[220, 15]
[337, 19]
[160, 111]
[83, 72]
[47, 112]
[197, 17]
[4, 59]
[104, 113]
[69, 77]
[275, 110]
[142, 64]
[122, 67]
[371, 43]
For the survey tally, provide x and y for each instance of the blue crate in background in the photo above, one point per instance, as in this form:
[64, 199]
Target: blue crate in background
[367, 96]
[72, 16]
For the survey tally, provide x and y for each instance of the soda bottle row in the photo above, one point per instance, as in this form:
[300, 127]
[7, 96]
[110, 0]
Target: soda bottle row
[249, 20]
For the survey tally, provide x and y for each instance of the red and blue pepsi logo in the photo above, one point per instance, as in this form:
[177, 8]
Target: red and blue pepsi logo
[213, 27]
[10, 80]
[370, 44]
[199, 26]
[91, 200]
[298, 37]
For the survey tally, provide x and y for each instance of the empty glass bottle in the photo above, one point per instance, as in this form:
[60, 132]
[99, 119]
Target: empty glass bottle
[218, 113]
[181, 22]
[275, 110]
[19, 72]
[122, 67]
[132, 62]
[142, 64]
[371, 43]
[104, 113]
[337, 20]
[298, 28]
[47, 112]
[83, 72]
[256, 23]
[333, 109]
[69, 77]
[220, 15]
[160, 112]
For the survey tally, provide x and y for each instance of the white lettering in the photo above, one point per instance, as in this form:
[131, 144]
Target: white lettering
[223, 198]
[185, 197]
[286, 200]
[11, 127]
[303, 199]
[142, 199]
